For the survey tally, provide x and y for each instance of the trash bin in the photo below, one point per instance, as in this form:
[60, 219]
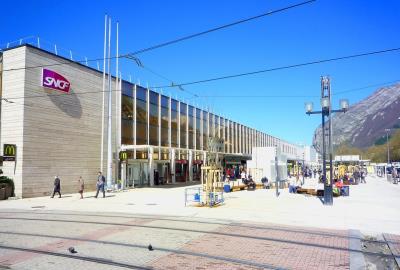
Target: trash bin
[227, 188]
[345, 191]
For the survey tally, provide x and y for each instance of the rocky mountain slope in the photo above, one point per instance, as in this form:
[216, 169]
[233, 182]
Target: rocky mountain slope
[366, 121]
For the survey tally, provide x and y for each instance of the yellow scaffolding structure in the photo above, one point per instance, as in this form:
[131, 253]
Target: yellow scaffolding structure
[212, 183]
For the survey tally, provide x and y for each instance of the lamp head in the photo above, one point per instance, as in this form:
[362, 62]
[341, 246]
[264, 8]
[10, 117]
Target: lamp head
[325, 103]
[344, 104]
[308, 106]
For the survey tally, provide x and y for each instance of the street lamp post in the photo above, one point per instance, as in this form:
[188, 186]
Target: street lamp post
[387, 144]
[326, 111]
[277, 152]
[304, 166]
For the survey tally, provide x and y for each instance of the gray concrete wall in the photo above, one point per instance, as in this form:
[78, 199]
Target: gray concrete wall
[12, 114]
[56, 134]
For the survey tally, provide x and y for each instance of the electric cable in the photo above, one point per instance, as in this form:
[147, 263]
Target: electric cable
[282, 67]
[219, 28]
[126, 55]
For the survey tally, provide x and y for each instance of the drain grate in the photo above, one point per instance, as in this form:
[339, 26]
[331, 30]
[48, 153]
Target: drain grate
[38, 206]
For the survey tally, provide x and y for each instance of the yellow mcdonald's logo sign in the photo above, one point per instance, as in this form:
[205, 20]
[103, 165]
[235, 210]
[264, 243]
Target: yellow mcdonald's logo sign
[9, 150]
[123, 155]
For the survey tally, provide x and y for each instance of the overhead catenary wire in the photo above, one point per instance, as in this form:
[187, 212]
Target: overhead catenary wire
[220, 27]
[11, 99]
[126, 55]
[301, 96]
[314, 62]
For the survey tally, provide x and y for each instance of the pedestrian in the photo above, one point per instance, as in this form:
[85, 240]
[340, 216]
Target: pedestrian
[265, 181]
[101, 180]
[243, 176]
[81, 186]
[394, 175]
[57, 187]
[292, 184]
[315, 173]
[362, 175]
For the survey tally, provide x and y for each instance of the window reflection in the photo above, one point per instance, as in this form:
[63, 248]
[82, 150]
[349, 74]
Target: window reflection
[183, 111]
[164, 120]
[141, 116]
[174, 123]
[126, 120]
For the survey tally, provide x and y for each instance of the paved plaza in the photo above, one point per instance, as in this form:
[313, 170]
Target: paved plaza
[253, 230]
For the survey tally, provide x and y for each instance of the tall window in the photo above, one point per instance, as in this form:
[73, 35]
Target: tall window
[164, 120]
[227, 140]
[126, 120]
[241, 139]
[221, 127]
[211, 124]
[191, 127]
[174, 123]
[141, 115]
[234, 150]
[153, 118]
[205, 130]
[198, 124]
[216, 125]
[183, 111]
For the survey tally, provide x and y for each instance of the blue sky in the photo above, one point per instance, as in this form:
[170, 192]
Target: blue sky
[320, 30]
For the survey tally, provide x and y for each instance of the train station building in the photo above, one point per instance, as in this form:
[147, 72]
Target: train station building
[52, 113]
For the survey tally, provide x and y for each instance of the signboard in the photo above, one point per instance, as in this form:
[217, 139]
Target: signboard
[9, 152]
[123, 155]
[53, 80]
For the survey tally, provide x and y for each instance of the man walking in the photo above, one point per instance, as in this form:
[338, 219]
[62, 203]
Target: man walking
[394, 175]
[81, 186]
[362, 175]
[100, 185]
[57, 187]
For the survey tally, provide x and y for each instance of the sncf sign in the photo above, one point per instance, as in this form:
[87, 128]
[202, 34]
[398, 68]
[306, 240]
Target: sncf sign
[53, 80]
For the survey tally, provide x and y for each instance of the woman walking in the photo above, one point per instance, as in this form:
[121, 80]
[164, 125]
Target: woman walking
[81, 186]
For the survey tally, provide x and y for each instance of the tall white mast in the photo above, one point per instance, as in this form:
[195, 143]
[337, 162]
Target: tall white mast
[109, 127]
[104, 89]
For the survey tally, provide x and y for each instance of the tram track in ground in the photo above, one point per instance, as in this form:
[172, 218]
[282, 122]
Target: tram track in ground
[74, 257]
[373, 254]
[131, 266]
[378, 254]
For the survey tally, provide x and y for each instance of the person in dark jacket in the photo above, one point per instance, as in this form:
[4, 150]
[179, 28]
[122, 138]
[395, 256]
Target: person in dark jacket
[57, 187]
[101, 181]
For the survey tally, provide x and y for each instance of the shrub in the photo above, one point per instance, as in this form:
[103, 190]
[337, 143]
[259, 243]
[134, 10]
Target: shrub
[8, 181]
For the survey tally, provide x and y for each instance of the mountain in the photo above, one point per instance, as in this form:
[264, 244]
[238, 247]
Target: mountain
[365, 122]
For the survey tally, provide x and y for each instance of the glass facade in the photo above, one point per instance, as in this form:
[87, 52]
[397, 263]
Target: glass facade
[216, 126]
[174, 123]
[211, 124]
[127, 120]
[205, 130]
[163, 121]
[153, 118]
[198, 129]
[191, 127]
[183, 125]
[141, 116]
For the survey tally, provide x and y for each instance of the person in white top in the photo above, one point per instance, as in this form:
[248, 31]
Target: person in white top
[243, 176]
[292, 185]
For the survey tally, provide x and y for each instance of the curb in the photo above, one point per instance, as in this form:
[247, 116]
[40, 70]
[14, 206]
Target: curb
[357, 260]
